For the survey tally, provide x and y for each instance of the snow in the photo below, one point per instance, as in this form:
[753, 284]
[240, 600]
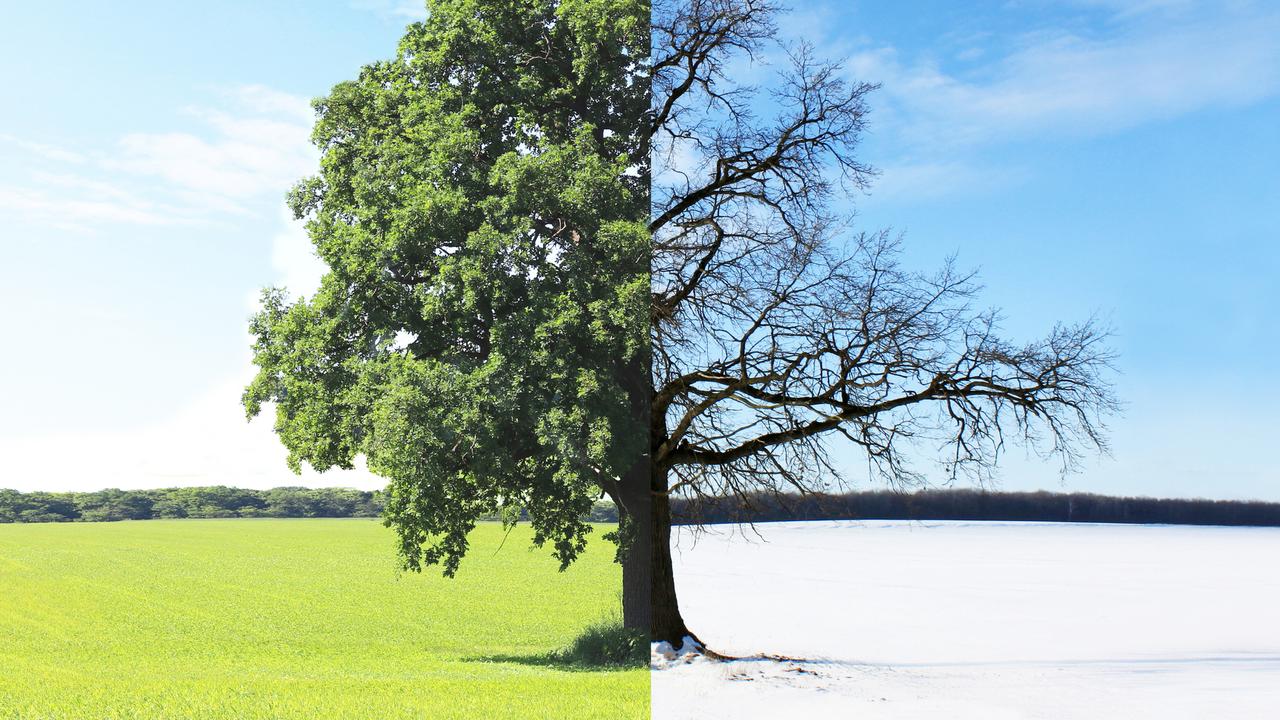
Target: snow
[903, 620]
[663, 655]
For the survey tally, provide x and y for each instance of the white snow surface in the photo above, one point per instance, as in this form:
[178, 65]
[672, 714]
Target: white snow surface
[663, 655]
[981, 620]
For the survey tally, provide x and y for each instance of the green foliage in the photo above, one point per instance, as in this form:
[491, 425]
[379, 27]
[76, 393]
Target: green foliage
[283, 620]
[481, 205]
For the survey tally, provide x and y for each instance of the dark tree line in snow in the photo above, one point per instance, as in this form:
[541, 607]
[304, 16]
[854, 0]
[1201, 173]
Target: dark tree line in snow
[966, 504]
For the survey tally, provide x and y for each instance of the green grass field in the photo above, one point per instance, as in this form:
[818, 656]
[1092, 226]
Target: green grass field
[188, 619]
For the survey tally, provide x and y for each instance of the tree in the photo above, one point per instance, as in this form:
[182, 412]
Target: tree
[566, 257]
[776, 329]
[114, 504]
[481, 335]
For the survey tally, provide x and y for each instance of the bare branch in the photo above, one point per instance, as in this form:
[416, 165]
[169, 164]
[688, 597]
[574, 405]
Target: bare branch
[776, 329]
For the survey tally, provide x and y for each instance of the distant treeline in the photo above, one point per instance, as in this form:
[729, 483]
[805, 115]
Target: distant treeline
[193, 502]
[297, 502]
[974, 505]
[206, 502]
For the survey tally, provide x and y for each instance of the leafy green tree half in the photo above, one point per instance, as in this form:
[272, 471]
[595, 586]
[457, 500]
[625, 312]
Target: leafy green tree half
[482, 331]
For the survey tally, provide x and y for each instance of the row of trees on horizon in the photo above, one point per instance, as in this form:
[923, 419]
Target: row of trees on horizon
[967, 504]
[939, 504]
[187, 502]
[217, 501]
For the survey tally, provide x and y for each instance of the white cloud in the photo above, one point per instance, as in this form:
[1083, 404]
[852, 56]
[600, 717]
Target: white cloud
[927, 180]
[267, 101]
[245, 156]
[1126, 9]
[236, 159]
[394, 9]
[233, 159]
[1154, 61]
[206, 442]
[80, 214]
[48, 152]
[294, 258]
[1064, 83]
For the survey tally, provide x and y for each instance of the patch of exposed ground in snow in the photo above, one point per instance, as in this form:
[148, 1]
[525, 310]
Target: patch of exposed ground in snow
[977, 620]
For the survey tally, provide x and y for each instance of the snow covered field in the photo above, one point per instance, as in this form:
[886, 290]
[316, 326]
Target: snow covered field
[979, 620]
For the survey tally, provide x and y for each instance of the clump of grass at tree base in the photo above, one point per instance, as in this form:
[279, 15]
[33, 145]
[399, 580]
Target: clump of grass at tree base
[607, 644]
[284, 619]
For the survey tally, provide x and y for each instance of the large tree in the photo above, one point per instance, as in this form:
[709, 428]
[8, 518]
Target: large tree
[517, 316]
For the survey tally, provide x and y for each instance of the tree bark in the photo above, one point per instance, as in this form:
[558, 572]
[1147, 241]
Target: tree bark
[635, 532]
[649, 601]
[666, 623]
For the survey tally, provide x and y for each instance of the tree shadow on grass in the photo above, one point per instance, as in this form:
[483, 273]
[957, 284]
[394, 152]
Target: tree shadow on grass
[553, 661]
[606, 646]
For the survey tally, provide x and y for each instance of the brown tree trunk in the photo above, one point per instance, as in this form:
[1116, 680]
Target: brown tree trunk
[648, 584]
[635, 507]
[666, 622]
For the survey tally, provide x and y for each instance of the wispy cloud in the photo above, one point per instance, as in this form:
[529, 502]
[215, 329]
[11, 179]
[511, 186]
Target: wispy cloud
[233, 158]
[46, 151]
[923, 179]
[395, 9]
[1064, 83]
[83, 213]
[263, 100]
[259, 146]
[227, 159]
[1126, 9]
[1152, 61]
[294, 260]
[204, 442]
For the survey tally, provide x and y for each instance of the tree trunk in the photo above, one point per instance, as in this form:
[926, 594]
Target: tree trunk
[666, 622]
[634, 507]
[648, 584]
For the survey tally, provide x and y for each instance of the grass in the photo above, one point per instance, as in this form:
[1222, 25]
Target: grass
[252, 619]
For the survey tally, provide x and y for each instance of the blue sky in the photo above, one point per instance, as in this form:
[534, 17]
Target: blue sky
[1088, 157]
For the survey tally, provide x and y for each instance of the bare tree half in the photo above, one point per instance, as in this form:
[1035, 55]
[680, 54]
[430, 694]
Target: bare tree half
[778, 328]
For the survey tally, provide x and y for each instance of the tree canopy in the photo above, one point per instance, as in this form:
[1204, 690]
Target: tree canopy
[481, 205]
